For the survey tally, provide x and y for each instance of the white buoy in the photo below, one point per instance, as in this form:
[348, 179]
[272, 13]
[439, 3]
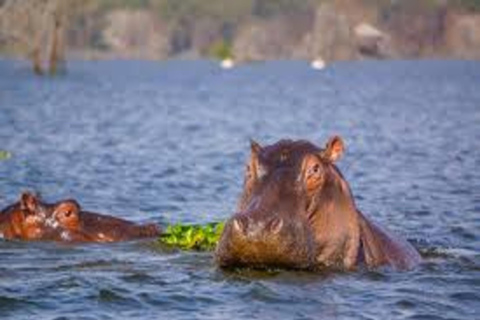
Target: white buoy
[227, 63]
[318, 64]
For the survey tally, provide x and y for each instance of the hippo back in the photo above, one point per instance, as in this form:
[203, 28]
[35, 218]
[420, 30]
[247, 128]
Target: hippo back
[106, 228]
[380, 247]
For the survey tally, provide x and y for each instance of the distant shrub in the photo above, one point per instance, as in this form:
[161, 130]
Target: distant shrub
[469, 5]
[221, 50]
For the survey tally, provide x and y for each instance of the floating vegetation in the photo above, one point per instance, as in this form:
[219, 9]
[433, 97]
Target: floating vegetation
[4, 154]
[192, 237]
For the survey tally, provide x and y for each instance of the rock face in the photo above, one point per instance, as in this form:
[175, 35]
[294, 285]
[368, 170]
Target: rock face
[275, 38]
[336, 36]
[371, 42]
[332, 37]
[462, 36]
[332, 30]
[204, 34]
[136, 35]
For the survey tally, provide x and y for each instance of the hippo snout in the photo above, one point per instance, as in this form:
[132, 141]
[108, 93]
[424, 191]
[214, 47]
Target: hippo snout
[247, 227]
[265, 242]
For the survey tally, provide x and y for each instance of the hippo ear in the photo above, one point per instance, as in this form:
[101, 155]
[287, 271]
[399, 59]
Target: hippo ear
[28, 201]
[254, 169]
[334, 149]
[255, 147]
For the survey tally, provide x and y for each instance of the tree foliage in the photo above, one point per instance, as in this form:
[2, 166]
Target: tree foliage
[469, 5]
[35, 29]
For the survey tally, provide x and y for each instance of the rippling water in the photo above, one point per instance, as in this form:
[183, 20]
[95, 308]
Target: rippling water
[166, 142]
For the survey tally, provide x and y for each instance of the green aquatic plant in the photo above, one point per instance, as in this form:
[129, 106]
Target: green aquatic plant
[4, 154]
[192, 237]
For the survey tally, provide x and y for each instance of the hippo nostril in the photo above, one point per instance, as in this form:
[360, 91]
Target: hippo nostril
[275, 225]
[242, 224]
[238, 225]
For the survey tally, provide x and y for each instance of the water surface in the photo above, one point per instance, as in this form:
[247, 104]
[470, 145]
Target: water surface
[167, 142]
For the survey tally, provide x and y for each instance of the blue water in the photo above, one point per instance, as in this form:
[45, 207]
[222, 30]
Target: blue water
[167, 142]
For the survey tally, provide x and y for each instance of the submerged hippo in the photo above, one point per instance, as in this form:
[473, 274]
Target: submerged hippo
[77, 225]
[32, 219]
[25, 219]
[297, 211]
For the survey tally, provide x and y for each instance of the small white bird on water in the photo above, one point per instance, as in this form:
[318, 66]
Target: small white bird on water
[227, 63]
[318, 64]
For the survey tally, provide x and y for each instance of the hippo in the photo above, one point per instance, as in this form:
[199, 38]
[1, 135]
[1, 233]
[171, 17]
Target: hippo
[30, 218]
[77, 225]
[297, 211]
[25, 219]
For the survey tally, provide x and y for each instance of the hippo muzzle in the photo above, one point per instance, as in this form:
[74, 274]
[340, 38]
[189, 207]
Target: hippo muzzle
[271, 232]
[275, 242]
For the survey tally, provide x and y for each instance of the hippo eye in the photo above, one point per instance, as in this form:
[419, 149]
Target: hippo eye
[68, 213]
[314, 170]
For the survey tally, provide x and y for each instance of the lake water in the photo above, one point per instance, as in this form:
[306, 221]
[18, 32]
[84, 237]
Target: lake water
[167, 142]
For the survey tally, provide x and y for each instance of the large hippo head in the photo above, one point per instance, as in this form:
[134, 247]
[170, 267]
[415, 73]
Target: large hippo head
[271, 227]
[297, 211]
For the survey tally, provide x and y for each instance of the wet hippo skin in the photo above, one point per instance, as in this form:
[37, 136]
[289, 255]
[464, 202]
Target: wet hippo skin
[32, 219]
[84, 226]
[297, 211]
[25, 219]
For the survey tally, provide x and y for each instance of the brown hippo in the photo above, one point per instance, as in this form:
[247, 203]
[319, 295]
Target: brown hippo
[32, 219]
[25, 219]
[297, 211]
[77, 225]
